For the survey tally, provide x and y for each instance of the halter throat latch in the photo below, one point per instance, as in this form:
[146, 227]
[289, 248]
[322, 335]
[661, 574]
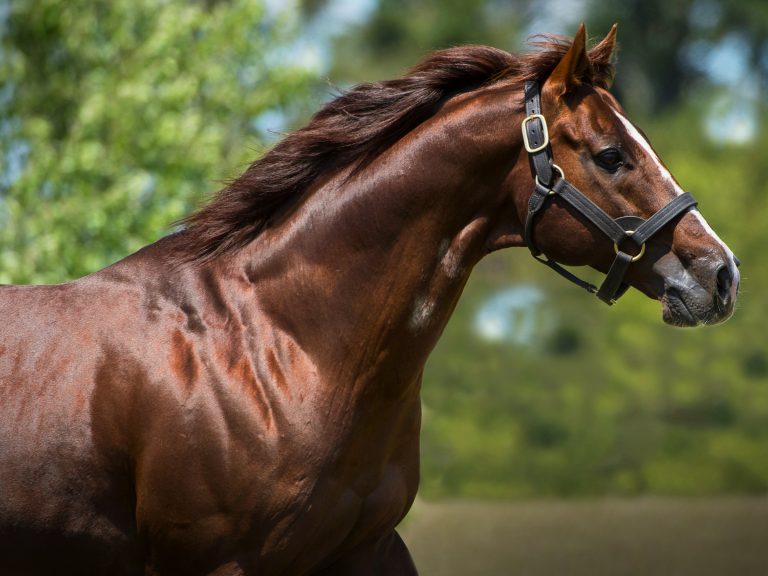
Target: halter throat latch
[550, 181]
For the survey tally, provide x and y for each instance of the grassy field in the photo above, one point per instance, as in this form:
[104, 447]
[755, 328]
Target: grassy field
[648, 536]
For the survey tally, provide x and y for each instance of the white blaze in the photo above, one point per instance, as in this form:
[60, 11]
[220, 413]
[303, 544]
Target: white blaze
[644, 144]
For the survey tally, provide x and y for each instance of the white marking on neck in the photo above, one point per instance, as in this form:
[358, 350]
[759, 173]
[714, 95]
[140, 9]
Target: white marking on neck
[645, 145]
[421, 315]
[450, 262]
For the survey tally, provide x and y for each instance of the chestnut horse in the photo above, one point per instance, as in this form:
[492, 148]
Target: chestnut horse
[242, 397]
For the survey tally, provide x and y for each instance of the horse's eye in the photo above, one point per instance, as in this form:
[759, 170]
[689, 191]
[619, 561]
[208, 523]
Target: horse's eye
[610, 159]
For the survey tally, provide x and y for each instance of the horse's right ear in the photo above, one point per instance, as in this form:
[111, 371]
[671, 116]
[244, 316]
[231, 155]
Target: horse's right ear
[602, 57]
[573, 70]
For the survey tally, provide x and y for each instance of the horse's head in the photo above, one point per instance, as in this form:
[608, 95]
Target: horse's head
[602, 157]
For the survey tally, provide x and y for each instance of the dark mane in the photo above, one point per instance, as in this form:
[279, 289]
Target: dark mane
[353, 129]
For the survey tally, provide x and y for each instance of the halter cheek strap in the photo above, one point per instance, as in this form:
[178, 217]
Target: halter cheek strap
[550, 181]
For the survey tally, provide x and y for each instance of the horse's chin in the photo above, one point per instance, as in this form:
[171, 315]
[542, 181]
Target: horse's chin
[676, 312]
[702, 293]
[686, 310]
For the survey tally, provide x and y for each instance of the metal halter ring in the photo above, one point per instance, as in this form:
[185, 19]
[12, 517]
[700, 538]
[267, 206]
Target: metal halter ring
[637, 256]
[562, 177]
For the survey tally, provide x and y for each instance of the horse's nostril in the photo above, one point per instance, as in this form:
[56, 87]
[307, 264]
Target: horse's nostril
[736, 261]
[724, 283]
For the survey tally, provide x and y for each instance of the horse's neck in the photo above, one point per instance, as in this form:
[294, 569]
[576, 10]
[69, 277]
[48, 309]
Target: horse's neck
[367, 270]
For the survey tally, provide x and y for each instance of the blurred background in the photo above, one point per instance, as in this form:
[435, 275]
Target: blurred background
[117, 117]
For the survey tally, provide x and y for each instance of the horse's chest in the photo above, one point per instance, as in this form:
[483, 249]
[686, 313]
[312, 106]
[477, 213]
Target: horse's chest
[289, 497]
[336, 518]
[358, 490]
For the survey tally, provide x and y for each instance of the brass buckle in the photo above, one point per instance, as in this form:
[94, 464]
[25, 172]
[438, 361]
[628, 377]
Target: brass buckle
[637, 256]
[527, 144]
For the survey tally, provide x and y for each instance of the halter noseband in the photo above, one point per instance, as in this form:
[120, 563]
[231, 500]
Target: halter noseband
[620, 230]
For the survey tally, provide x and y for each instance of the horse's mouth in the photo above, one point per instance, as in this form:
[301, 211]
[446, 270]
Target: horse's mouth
[675, 311]
[679, 310]
[700, 294]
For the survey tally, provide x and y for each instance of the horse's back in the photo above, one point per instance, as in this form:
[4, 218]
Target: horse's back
[54, 477]
[108, 385]
[44, 361]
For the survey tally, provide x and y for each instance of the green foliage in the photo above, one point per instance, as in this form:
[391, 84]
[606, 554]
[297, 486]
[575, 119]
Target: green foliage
[401, 32]
[664, 45]
[117, 116]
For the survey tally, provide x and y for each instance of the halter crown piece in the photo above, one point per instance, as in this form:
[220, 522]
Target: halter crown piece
[550, 181]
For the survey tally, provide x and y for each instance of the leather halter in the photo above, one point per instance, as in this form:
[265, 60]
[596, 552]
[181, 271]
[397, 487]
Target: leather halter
[550, 181]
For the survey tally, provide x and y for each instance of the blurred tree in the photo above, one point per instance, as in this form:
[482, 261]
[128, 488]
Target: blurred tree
[651, 33]
[668, 45]
[116, 116]
[400, 32]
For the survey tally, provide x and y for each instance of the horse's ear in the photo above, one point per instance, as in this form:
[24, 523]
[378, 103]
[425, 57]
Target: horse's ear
[602, 57]
[573, 69]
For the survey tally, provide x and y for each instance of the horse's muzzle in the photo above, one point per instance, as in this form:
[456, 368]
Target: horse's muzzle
[699, 295]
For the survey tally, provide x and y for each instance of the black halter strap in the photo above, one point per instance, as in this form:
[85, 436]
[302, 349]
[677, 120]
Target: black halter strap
[550, 181]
